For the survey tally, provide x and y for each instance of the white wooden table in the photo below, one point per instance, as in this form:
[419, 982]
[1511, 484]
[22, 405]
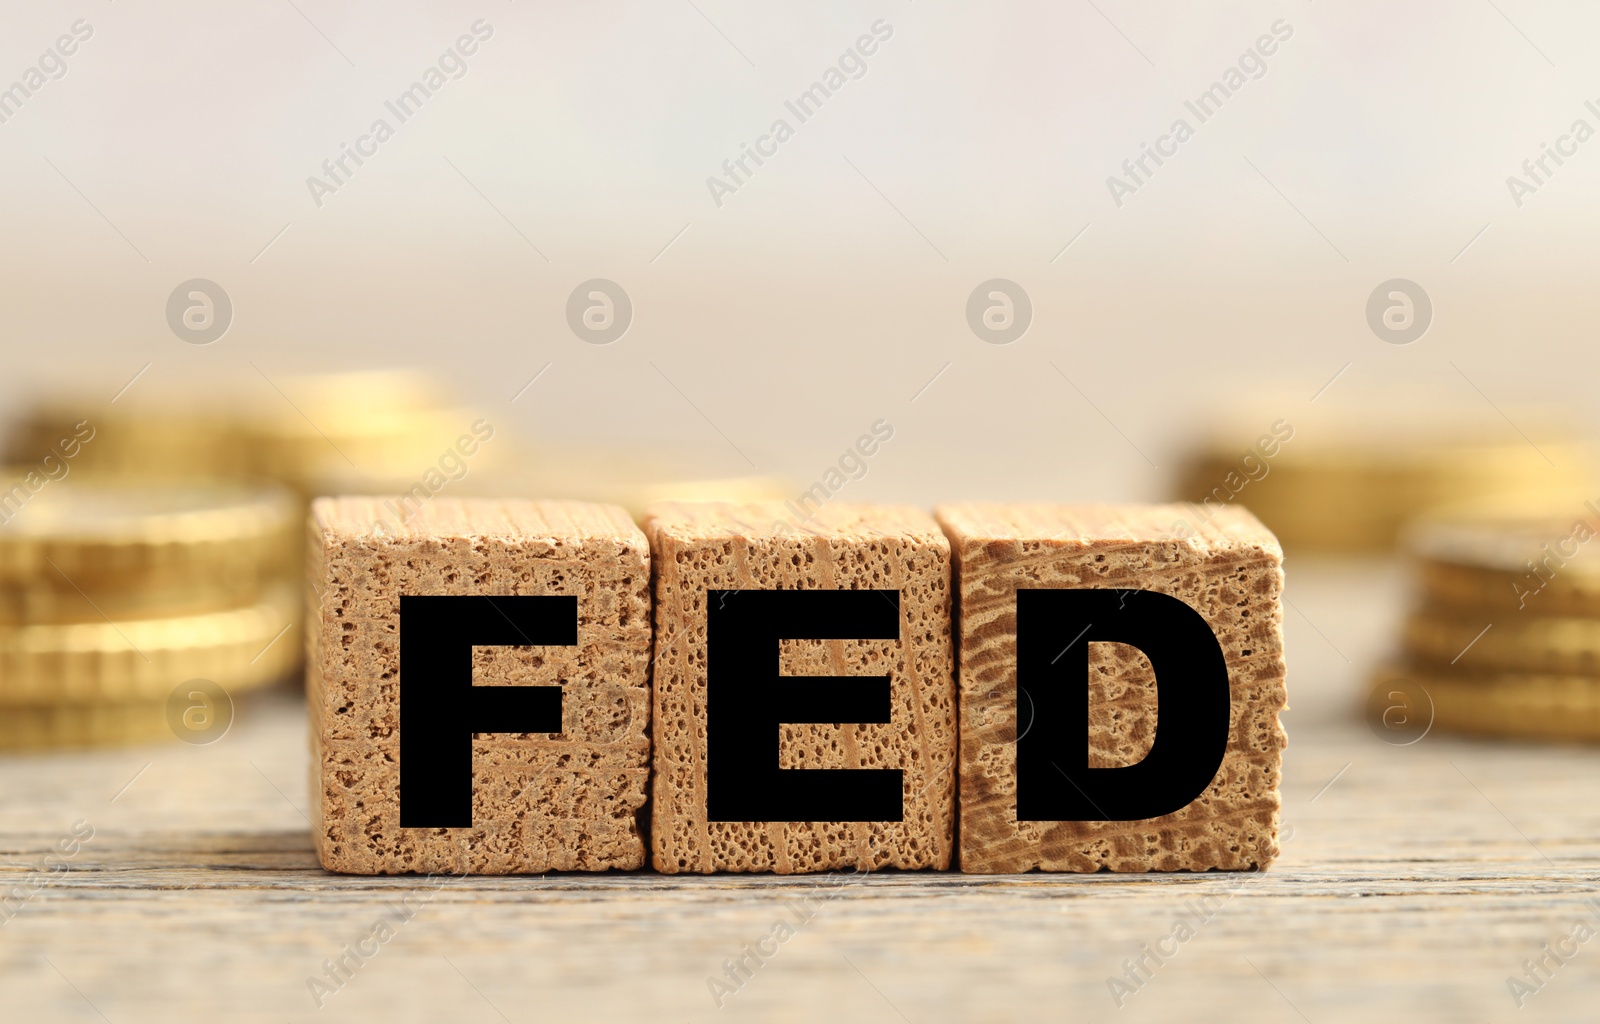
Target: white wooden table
[1415, 881]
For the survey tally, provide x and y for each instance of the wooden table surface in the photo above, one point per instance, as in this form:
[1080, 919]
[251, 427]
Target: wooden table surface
[1415, 881]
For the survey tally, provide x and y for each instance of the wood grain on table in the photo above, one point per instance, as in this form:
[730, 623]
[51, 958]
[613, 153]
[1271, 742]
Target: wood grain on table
[1414, 882]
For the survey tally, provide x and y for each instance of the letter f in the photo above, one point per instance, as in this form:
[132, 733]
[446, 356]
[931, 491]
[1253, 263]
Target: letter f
[440, 709]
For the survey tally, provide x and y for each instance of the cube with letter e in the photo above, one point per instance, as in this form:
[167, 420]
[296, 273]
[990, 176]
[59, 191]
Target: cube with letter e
[804, 689]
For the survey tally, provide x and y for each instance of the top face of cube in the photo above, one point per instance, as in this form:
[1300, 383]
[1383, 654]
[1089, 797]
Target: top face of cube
[764, 545]
[1187, 531]
[535, 525]
[770, 522]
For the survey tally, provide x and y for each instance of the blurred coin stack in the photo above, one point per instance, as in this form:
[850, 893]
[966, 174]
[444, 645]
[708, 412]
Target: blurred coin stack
[294, 429]
[1505, 637]
[1346, 477]
[128, 609]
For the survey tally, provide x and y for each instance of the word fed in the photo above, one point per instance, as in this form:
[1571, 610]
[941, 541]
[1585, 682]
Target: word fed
[504, 686]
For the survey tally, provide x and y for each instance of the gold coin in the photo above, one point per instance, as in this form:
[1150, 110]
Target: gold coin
[1533, 555]
[1507, 704]
[390, 445]
[104, 723]
[352, 394]
[237, 427]
[1507, 592]
[143, 659]
[169, 438]
[1507, 642]
[87, 550]
[373, 422]
[631, 478]
[1349, 479]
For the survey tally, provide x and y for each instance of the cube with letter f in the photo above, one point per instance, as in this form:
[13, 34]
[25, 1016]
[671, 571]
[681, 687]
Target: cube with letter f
[479, 686]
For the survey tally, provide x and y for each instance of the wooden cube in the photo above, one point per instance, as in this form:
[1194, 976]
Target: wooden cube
[1223, 564]
[747, 581]
[543, 595]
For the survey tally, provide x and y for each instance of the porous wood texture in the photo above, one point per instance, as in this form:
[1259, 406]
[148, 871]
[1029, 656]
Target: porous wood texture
[1229, 569]
[757, 546]
[540, 802]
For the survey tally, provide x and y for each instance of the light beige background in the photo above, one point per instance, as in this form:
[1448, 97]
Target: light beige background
[810, 304]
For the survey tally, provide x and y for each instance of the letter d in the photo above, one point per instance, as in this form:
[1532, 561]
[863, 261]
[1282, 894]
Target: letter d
[1054, 631]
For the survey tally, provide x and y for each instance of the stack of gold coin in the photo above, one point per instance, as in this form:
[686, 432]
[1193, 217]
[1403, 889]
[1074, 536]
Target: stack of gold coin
[361, 432]
[128, 610]
[1505, 637]
[1347, 478]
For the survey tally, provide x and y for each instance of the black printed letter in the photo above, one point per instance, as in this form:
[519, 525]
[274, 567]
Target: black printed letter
[440, 709]
[747, 702]
[1054, 630]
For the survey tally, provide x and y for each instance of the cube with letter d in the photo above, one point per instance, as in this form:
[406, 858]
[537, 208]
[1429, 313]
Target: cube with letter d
[1121, 678]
